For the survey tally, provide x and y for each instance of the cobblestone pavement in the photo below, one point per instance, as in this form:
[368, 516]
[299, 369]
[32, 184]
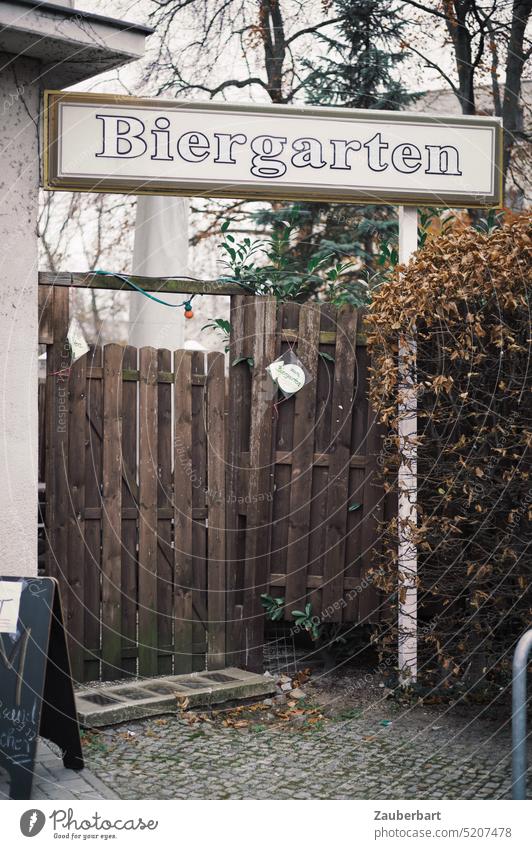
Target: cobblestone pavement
[351, 754]
[53, 781]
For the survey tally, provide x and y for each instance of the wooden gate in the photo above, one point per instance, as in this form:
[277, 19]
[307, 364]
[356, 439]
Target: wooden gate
[176, 495]
[136, 535]
[304, 524]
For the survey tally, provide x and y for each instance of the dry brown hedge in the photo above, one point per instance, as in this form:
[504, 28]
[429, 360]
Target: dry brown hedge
[467, 296]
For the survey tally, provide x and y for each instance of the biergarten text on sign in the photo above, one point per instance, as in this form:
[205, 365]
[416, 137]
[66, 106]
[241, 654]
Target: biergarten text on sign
[106, 143]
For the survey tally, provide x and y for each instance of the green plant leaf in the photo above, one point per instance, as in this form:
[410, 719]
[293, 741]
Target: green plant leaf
[223, 324]
[248, 360]
[325, 356]
[354, 506]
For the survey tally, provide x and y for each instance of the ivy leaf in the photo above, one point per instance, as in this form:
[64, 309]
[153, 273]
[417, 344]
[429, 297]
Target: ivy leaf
[248, 360]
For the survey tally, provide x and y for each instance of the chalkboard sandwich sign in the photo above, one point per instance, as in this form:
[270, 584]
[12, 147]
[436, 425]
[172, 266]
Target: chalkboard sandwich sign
[36, 692]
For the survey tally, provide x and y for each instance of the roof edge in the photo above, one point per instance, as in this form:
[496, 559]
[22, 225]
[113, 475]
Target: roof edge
[72, 12]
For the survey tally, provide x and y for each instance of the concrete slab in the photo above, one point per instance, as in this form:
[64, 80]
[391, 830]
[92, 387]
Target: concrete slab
[112, 703]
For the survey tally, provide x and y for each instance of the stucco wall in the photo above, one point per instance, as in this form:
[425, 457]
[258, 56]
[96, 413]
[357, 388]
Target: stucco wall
[19, 177]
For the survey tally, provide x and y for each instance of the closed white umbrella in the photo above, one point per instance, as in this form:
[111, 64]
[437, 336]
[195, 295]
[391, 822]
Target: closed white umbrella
[160, 250]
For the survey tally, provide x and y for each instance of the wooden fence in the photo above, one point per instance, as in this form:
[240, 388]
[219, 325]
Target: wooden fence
[176, 495]
[306, 523]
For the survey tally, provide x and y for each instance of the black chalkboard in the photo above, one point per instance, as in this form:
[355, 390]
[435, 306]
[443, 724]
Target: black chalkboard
[36, 692]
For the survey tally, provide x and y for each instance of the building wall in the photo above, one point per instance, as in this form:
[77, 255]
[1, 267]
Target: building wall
[19, 179]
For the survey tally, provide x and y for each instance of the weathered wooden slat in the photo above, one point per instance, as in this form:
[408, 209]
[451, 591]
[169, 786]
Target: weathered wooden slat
[165, 554]
[373, 506]
[46, 319]
[93, 500]
[42, 430]
[356, 482]
[129, 514]
[199, 514]
[57, 370]
[337, 489]
[302, 455]
[282, 440]
[216, 504]
[258, 529]
[183, 613]
[185, 286]
[74, 598]
[322, 431]
[147, 612]
[238, 386]
[112, 511]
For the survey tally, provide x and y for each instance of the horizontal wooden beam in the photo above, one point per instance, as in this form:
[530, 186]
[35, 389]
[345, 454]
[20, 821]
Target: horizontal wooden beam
[327, 337]
[171, 286]
[314, 582]
[95, 513]
[129, 374]
[284, 458]
[131, 651]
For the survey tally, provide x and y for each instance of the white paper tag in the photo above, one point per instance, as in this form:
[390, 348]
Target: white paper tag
[76, 340]
[289, 377]
[10, 592]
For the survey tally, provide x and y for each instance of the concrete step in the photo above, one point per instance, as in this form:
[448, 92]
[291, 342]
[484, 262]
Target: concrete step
[107, 704]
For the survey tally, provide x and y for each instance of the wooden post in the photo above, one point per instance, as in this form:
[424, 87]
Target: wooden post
[183, 512]
[258, 531]
[75, 566]
[112, 512]
[338, 483]
[147, 615]
[216, 601]
[237, 400]
[407, 476]
[297, 554]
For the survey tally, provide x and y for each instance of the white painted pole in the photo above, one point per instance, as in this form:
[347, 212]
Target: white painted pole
[160, 249]
[407, 478]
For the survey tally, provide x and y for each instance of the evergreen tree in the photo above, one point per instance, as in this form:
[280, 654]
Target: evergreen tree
[359, 68]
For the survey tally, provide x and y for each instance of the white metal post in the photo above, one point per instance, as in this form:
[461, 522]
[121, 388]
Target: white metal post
[407, 478]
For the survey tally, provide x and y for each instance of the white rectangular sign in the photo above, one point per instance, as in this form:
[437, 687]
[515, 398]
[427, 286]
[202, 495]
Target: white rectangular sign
[109, 143]
[10, 592]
